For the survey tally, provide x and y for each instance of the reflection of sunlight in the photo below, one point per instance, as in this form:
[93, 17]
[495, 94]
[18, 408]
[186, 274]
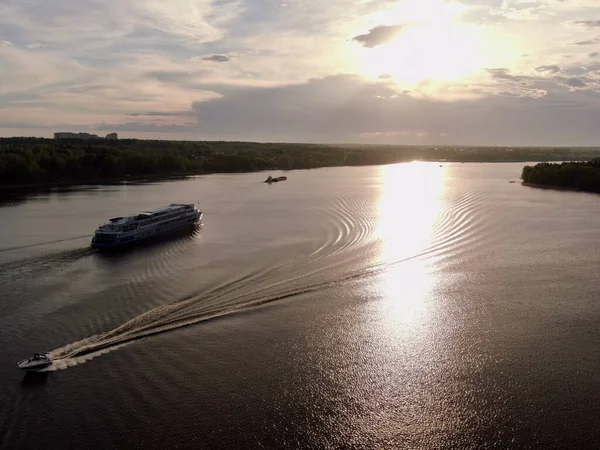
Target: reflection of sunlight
[403, 289]
[409, 205]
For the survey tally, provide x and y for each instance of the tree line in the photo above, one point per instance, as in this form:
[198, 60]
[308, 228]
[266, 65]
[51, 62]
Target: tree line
[37, 160]
[583, 176]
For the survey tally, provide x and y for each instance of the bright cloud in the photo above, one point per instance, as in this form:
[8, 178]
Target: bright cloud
[398, 71]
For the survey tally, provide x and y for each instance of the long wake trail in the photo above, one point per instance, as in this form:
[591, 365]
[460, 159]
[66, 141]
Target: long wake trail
[342, 258]
[191, 311]
[40, 244]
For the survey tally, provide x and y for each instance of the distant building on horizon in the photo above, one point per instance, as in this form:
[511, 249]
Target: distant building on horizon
[84, 136]
[68, 135]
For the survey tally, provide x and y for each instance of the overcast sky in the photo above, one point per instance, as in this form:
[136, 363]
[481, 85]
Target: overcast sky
[481, 72]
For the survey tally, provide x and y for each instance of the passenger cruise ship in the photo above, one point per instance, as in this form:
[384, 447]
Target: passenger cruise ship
[147, 224]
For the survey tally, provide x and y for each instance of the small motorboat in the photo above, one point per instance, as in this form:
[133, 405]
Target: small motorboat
[36, 362]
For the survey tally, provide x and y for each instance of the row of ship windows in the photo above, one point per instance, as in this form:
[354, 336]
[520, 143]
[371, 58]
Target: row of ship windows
[160, 223]
[110, 239]
[147, 221]
[128, 233]
[154, 222]
[167, 212]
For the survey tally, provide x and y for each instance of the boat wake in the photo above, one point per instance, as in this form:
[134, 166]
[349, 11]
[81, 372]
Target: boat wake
[234, 297]
[63, 363]
[165, 318]
[353, 247]
[41, 244]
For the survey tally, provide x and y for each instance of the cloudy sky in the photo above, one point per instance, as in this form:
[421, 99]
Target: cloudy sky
[482, 72]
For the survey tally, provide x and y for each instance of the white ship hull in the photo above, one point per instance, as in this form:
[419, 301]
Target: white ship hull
[121, 232]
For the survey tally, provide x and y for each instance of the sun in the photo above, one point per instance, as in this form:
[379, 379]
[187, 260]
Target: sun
[433, 45]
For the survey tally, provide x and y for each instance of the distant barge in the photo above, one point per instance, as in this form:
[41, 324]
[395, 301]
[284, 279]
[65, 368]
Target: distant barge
[274, 180]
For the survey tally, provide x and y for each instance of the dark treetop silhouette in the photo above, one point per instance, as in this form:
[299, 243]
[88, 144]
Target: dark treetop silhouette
[26, 161]
[581, 176]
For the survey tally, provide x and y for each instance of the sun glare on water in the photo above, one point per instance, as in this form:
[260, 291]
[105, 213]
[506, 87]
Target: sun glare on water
[409, 205]
[433, 44]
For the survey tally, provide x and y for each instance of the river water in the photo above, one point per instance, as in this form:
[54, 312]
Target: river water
[402, 306]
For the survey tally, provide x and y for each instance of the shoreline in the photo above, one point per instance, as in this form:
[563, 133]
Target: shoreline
[45, 186]
[67, 184]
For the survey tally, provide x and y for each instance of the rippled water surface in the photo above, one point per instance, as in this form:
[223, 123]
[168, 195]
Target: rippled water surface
[404, 306]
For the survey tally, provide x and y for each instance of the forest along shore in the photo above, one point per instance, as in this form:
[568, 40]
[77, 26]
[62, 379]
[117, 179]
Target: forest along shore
[573, 176]
[46, 163]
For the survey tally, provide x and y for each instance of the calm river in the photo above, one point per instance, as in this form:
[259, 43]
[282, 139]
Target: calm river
[404, 306]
